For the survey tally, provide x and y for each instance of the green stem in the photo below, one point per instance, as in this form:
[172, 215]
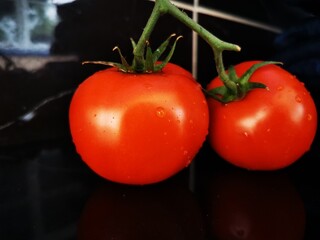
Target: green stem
[221, 70]
[217, 45]
[212, 40]
[139, 50]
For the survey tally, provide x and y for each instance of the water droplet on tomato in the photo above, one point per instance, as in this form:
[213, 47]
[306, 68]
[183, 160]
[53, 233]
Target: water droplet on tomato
[309, 116]
[280, 88]
[160, 112]
[188, 162]
[245, 134]
[268, 130]
[165, 133]
[298, 99]
[185, 152]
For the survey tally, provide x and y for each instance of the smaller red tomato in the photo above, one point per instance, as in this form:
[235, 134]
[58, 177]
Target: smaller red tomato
[270, 128]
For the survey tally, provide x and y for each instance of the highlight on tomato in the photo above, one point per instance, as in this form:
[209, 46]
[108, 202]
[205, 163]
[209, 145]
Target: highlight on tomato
[270, 127]
[139, 128]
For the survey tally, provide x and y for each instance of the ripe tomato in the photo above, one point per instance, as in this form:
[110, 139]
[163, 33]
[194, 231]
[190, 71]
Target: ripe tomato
[268, 129]
[139, 128]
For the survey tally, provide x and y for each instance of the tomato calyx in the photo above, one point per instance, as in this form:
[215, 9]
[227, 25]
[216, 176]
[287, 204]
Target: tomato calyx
[236, 88]
[150, 62]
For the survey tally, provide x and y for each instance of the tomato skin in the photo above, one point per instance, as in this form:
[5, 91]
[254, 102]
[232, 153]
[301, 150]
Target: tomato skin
[138, 128]
[268, 129]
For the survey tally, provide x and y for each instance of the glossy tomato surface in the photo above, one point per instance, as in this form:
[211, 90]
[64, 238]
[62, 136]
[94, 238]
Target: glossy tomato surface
[268, 129]
[139, 128]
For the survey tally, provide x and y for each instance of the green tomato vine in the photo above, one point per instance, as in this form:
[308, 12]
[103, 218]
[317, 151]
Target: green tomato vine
[147, 61]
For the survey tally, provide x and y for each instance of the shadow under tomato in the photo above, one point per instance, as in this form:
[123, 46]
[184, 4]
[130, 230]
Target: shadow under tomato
[162, 211]
[253, 205]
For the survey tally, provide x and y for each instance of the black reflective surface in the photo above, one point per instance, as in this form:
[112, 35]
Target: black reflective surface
[51, 194]
[47, 192]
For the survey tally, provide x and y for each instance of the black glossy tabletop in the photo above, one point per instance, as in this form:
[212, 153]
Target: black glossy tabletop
[48, 193]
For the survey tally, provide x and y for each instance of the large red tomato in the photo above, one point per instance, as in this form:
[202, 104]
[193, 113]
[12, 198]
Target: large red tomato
[268, 129]
[139, 128]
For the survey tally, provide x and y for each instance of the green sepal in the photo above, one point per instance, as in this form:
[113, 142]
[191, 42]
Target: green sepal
[152, 58]
[237, 87]
[159, 67]
[221, 94]
[160, 50]
[149, 60]
[149, 64]
[232, 73]
[253, 85]
[124, 66]
[133, 43]
[110, 64]
[246, 76]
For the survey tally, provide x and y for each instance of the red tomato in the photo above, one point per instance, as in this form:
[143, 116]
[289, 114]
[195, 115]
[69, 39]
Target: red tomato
[268, 129]
[139, 128]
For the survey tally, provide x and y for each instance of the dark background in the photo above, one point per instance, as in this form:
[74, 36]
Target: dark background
[47, 192]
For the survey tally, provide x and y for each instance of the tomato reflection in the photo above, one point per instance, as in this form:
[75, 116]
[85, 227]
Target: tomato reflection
[254, 206]
[163, 211]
